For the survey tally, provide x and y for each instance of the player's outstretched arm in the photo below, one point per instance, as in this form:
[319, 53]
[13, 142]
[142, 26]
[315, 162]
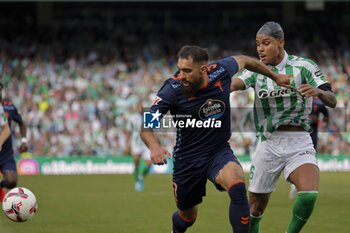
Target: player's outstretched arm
[237, 85]
[254, 65]
[158, 153]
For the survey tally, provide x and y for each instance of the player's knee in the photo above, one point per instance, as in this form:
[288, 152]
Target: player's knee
[257, 212]
[189, 216]
[230, 175]
[258, 205]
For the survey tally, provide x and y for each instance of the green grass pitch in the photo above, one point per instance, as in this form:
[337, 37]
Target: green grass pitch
[109, 204]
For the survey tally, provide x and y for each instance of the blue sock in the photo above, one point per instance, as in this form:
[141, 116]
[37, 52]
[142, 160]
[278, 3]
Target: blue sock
[179, 224]
[239, 208]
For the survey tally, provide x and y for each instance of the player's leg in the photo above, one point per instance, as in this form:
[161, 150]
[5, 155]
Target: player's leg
[138, 182]
[183, 219]
[10, 177]
[306, 180]
[136, 159]
[265, 171]
[302, 170]
[258, 203]
[189, 184]
[227, 174]
[147, 158]
[231, 179]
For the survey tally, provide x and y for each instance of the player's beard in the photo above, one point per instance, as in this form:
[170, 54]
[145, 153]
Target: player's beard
[192, 88]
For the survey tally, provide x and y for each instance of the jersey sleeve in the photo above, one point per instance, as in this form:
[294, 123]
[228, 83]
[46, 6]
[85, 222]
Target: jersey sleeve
[313, 74]
[231, 65]
[165, 99]
[3, 118]
[16, 116]
[248, 77]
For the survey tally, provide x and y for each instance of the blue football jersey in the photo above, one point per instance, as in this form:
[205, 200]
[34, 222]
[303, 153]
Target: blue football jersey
[12, 115]
[206, 116]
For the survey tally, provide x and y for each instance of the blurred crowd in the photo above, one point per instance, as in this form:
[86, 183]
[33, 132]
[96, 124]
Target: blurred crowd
[79, 103]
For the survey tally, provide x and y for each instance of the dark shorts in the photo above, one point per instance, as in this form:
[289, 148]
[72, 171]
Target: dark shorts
[314, 138]
[189, 179]
[8, 165]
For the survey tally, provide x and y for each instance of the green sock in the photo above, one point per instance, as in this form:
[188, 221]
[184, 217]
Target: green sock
[254, 224]
[145, 171]
[302, 210]
[136, 174]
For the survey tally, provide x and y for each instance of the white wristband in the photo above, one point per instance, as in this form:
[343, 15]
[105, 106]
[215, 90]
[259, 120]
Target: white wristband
[24, 140]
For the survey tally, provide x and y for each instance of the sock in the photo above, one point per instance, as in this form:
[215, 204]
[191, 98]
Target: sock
[302, 210]
[136, 174]
[179, 224]
[254, 224]
[146, 170]
[239, 208]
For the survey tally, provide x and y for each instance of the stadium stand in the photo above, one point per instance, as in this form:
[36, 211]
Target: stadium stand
[76, 72]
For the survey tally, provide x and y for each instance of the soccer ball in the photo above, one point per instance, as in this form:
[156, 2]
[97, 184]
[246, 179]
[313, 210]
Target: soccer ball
[19, 204]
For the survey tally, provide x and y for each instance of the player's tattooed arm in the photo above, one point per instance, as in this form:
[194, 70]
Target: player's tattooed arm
[327, 97]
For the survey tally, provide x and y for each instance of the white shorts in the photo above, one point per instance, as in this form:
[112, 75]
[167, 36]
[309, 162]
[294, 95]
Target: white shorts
[140, 150]
[283, 151]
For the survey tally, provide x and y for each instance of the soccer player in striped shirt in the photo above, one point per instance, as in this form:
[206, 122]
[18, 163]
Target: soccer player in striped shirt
[283, 127]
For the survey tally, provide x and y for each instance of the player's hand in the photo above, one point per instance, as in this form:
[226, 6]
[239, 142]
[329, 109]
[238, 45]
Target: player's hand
[23, 148]
[282, 80]
[159, 154]
[306, 90]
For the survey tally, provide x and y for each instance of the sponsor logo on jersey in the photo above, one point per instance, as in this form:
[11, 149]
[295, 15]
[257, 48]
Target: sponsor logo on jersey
[212, 109]
[215, 74]
[263, 93]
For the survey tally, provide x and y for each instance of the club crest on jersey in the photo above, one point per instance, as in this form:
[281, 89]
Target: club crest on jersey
[212, 109]
[263, 93]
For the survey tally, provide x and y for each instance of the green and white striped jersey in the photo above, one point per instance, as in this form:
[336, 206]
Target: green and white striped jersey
[275, 105]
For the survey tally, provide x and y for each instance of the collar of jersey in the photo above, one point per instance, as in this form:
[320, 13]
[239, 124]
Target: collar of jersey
[282, 64]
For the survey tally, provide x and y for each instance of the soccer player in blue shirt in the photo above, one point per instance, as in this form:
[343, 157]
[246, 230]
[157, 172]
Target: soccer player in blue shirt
[198, 98]
[7, 161]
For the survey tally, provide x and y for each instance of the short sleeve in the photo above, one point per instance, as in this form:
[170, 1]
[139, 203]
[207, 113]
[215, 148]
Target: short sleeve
[164, 99]
[231, 65]
[313, 74]
[248, 77]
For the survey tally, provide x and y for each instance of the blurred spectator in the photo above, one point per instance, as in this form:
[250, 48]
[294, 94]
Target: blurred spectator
[76, 97]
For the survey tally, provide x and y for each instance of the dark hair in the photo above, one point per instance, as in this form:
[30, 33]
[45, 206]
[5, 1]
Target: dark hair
[1, 85]
[197, 53]
[272, 29]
